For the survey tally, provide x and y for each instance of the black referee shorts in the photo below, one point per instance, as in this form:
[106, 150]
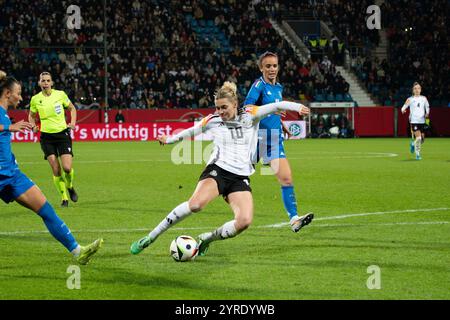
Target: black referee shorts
[227, 182]
[56, 143]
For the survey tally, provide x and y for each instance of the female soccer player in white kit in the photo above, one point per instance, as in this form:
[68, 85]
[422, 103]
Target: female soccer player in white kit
[419, 110]
[235, 134]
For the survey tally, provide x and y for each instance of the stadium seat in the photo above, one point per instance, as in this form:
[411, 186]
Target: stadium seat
[375, 89]
[319, 98]
[330, 97]
[348, 97]
[339, 97]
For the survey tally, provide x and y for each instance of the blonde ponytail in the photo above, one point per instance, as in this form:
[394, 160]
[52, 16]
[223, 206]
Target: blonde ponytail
[2, 75]
[228, 90]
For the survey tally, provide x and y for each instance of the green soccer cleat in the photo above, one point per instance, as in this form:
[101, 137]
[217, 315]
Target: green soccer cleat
[88, 251]
[203, 245]
[141, 244]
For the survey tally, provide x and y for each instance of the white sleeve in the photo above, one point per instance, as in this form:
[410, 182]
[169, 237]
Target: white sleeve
[275, 107]
[427, 106]
[190, 132]
[199, 128]
[406, 105]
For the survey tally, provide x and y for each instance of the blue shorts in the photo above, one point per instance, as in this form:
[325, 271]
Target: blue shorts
[12, 187]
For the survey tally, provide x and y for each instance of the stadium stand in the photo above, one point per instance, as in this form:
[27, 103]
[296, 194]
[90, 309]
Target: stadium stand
[174, 54]
[154, 64]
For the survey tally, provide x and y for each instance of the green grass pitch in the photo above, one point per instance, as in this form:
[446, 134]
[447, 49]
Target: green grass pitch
[373, 205]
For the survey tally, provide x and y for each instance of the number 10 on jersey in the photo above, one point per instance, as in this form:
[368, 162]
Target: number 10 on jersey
[236, 133]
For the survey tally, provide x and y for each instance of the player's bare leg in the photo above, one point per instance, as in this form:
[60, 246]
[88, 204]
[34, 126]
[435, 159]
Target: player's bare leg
[205, 192]
[241, 203]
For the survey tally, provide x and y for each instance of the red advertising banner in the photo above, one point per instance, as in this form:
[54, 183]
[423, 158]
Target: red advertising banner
[114, 132]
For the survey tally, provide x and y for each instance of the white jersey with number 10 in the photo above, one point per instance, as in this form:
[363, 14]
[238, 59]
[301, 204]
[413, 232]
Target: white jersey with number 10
[235, 140]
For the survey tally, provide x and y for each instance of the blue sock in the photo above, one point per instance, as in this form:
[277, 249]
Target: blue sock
[57, 227]
[290, 203]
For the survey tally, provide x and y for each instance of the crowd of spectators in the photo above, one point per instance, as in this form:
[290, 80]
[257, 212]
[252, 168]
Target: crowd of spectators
[159, 64]
[156, 60]
[331, 125]
[347, 20]
[418, 51]
[417, 44]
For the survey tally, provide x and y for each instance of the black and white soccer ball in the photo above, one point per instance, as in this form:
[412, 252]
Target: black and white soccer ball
[184, 248]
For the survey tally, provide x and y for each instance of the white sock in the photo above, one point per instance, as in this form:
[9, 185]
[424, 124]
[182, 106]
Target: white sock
[293, 219]
[175, 216]
[417, 144]
[76, 252]
[228, 230]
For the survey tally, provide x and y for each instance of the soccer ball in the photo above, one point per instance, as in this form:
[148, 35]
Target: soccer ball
[184, 248]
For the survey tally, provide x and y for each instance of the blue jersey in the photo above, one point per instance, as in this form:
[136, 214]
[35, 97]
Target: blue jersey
[262, 93]
[269, 147]
[8, 165]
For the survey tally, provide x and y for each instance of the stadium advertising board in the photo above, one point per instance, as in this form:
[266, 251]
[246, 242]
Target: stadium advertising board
[114, 132]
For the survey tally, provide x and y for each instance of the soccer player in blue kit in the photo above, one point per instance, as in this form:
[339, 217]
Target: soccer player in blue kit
[16, 186]
[266, 90]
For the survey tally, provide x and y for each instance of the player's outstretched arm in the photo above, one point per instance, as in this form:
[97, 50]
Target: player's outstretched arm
[265, 110]
[187, 133]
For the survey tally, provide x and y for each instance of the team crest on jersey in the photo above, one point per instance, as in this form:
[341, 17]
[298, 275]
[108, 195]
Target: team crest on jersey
[58, 109]
[213, 173]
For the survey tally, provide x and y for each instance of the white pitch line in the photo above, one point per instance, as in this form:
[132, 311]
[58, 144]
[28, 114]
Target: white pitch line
[381, 224]
[102, 161]
[368, 155]
[278, 225]
[359, 156]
